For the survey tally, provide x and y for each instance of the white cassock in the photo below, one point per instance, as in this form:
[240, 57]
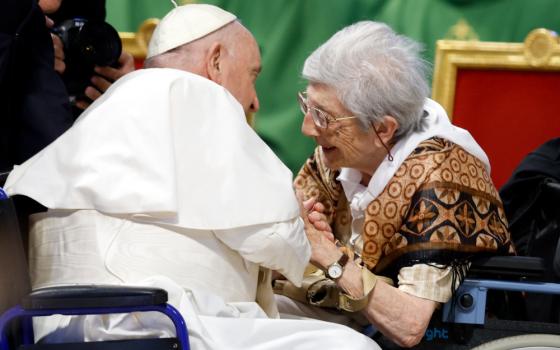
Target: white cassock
[162, 183]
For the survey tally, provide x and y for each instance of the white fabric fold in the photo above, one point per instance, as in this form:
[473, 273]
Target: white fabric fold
[162, 183]
[211, 325]
[169, 147]
[85, 246]
[437, 124]
[281, 247]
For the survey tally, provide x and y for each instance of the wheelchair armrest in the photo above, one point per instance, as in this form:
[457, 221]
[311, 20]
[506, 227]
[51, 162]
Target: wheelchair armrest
[507, 267]
[93, 296]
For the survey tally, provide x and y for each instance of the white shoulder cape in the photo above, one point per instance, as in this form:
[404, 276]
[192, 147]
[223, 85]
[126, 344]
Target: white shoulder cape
[169, 146]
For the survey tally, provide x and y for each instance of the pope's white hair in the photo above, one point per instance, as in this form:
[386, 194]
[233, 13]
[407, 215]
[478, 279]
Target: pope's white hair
[375, 72]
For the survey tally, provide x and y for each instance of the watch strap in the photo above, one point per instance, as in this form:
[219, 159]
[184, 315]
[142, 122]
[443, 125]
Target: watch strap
[343, 259]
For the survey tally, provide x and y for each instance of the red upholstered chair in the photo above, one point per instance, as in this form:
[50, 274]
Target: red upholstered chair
[506, 94]
[137, 43]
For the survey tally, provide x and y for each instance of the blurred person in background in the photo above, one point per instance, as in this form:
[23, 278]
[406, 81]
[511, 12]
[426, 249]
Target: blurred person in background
[34, 103]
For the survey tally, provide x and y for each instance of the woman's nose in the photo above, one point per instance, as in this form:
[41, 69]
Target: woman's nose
[308, 127]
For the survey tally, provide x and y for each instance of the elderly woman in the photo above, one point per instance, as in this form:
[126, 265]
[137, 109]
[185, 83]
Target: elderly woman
[406, 194]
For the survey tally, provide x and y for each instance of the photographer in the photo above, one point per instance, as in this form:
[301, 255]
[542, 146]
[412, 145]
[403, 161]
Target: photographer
[92, 11]
[34, 102]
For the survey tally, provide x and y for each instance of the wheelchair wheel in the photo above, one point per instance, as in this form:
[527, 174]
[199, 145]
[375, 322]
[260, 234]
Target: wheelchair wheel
[525, 341]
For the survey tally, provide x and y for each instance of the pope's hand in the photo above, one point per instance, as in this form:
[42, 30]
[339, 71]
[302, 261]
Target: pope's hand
[324, 252]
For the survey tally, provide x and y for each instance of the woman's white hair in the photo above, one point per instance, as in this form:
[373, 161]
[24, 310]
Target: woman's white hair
[375, 72]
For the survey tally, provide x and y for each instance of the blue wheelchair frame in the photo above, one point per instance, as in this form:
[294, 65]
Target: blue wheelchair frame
[79, 300]
[465, 321]
[18, 312]
[470, 299]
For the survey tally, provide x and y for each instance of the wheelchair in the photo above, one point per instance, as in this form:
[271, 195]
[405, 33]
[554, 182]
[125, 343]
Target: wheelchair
[489, 309]
[18, 305]
[484, 312]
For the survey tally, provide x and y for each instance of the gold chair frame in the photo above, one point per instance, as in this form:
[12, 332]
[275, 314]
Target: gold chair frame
[539, 51]
[137, 43]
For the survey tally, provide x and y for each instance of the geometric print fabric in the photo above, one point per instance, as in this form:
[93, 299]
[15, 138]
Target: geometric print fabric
[440, 199]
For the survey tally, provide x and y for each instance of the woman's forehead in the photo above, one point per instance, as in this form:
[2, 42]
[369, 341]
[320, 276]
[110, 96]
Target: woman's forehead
[324, 97]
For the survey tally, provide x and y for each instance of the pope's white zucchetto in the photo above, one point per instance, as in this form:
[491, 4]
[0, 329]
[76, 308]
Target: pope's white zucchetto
[185, 24]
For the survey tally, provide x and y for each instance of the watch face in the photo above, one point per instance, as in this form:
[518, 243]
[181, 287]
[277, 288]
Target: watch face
[334, 271]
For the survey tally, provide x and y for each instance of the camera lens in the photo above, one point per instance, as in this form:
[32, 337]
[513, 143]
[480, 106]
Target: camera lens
[99, 43]
[86, 44]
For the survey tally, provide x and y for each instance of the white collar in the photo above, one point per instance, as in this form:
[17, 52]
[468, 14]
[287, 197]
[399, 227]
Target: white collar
[436, 124]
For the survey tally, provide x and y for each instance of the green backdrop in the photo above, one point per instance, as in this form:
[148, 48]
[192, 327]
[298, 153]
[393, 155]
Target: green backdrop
[289, 30]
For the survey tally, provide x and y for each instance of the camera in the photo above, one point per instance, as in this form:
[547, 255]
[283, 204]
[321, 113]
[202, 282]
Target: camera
[86, 44]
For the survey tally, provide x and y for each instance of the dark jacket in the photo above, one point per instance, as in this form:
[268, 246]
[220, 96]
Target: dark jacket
[34, 108]
[531, 205]
[527, 198]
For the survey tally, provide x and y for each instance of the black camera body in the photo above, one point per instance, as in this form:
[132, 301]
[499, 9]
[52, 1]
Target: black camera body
[86, 44]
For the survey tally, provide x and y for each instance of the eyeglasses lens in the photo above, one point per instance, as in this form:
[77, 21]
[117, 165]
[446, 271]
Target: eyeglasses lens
[302, 104]
[318, 118]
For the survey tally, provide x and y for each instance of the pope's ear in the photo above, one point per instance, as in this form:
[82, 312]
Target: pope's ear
[214, 61]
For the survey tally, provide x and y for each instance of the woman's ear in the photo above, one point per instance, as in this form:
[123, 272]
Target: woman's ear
[214, 61]
[387, 129]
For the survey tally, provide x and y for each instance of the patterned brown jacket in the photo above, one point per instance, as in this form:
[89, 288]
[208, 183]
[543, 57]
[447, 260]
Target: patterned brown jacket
[440, 207]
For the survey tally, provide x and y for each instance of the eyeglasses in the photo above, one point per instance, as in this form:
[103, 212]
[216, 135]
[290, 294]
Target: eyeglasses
[320, 117]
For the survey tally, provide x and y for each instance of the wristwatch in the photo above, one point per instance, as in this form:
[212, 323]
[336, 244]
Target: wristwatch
[334, 271]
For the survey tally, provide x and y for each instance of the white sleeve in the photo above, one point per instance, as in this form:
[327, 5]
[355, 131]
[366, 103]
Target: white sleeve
[281, 246]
